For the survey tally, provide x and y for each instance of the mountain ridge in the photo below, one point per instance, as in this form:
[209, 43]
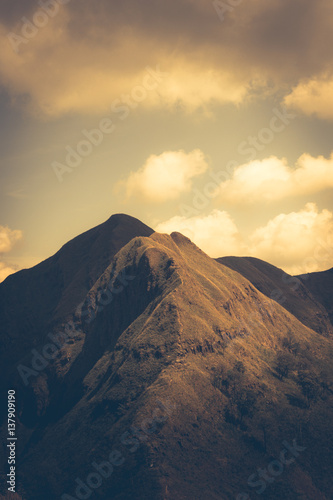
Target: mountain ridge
[292, 292]
[320, 285]
[58, 284]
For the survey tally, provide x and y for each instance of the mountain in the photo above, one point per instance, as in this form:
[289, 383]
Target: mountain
[321, 286]
[32, 300]
[293, 293]
[175, 378]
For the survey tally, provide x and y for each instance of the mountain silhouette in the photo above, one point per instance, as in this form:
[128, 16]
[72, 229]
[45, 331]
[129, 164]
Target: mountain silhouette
[171, 377]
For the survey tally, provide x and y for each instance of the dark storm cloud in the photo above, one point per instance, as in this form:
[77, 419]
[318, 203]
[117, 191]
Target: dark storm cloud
[13, 10]
[280, 41]
[297, 35]
[289, 37]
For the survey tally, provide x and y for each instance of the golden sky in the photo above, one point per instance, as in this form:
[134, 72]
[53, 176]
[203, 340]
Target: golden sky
[210, 118]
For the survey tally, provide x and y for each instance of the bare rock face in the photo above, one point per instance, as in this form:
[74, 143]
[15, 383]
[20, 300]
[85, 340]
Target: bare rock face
[173, 377]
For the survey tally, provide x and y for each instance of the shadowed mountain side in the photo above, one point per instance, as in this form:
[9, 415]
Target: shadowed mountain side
[321, 287]
[289, 291]
[227, 364]
[32, 300]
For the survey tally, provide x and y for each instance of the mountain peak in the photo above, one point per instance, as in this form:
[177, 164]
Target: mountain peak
[57, 285]
[121, 218]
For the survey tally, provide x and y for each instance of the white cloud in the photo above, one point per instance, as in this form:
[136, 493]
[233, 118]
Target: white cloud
[313, 97]
[8, 238]
[298, 242]
[166, 176]
[5, 271]
[216, 233]
[272, 179]
[193, 87]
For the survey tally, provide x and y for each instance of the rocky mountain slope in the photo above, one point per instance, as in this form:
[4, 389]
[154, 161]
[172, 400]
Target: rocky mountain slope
[296, 294]
[33, 300]
[175, 378]
[321, 287]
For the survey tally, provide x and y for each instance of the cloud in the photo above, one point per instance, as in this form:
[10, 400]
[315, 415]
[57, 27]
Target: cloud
[298, 242]
[313, 97]
[272, 179]
[5, 271]
[8, 238]
[83, 58]
[197, 85]
[60, 71]
[166, 176]
[216, 233]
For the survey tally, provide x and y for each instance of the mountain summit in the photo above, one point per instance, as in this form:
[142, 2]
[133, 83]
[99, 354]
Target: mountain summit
[167, 375]
[33, 300]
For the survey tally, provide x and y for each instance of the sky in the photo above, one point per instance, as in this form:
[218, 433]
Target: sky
[210, 118]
